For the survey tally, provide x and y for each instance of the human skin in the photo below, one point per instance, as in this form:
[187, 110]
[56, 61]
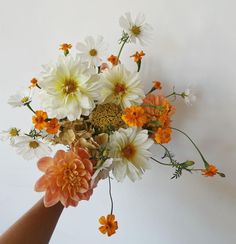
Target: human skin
[36, 226]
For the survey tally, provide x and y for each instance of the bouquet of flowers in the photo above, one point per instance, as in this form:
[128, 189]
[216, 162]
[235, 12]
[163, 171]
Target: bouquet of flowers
[96, 110]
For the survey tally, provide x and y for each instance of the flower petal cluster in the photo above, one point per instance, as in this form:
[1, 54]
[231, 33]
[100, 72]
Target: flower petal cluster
[66, 177]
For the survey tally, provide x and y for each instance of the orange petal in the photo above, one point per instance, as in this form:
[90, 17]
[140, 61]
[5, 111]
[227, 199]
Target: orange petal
[41, 184]
[103, 229]
[51, 199]
[44, 163]
[102, 220]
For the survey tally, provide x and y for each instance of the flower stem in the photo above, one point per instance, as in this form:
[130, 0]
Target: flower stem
[121, 48]
[110, 194]
[30, 108]
[174, 94]
[161, 162]
[200, 153]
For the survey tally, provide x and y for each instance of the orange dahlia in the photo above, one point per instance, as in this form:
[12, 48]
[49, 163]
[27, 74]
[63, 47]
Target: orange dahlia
[66, 177]
[39, 120]
[109, 225]
[211, 170]
[134, 116]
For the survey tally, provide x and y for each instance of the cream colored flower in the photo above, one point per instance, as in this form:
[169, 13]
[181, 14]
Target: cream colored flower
[129, 150]
[188, 96]
[10, 134]
[92, 51]
[21, 98]
[121, 87]
[136, 29]
[29, 147]
[69, 89]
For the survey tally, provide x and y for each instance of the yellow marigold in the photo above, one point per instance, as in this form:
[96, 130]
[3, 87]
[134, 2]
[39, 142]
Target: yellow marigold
[211, 170]
[109, 225]
[134, 116]
[157, 85]
[162, 135]
[39, 120]
[138, 56]
[113, 59]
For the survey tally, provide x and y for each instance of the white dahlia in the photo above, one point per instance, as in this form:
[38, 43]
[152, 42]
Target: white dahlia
[29, 147]
[121, 87]
[93, 50]
[69, 88]
[136, 29]
[129, 150]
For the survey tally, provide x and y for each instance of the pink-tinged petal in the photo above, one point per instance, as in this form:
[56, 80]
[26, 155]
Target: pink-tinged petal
[44, 163]
[88, 164]
[50, 199]
[41, 184]
[60, 154]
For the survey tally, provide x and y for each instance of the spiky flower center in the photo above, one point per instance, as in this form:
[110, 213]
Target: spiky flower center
[33, 144]
[136, 30]
[120, 88]
[13, 132]
[93, 52]
[25, 99]
[70, 86]
[129, 151]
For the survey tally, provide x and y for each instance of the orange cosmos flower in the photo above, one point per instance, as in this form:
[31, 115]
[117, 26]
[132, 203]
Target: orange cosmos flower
[113, 59]
[157, 85]
[33, 82]
[211, 170]
[52, 126]
[66, 177]
[109, 225]
[162, 135]
[134, 116]
[138, 56]
[65, 46]
[162, 113]
[39, 120]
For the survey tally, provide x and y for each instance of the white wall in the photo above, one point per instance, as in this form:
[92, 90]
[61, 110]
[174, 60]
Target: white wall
[194, 43]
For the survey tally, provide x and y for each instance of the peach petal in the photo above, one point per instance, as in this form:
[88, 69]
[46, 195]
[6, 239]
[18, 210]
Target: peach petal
[50, 199]
[41, 184]
[44, 163]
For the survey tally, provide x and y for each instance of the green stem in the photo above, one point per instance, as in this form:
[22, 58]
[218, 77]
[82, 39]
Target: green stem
[161, 162]
[30, 108]
[203, 159]
[174, 94]
[121, 48]
[110, 194]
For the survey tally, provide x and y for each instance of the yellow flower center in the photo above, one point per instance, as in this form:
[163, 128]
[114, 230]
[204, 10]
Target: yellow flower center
[93, 52]
[25, 99]
[120, 89]
[13, 132]
[69, 87]
[129, 151]
[136, 30]
[34, 144]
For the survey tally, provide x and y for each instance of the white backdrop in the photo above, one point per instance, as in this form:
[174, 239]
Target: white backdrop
[194, 43]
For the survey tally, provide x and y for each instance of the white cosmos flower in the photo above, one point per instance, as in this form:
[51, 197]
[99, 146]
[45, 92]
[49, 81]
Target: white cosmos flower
[121, 87]
[92, 51]
[20, 98]
[189, 97]
[137, 29]
[11, 134]
[29, 147]
[102, 172]
[129, 150]
[69, 88]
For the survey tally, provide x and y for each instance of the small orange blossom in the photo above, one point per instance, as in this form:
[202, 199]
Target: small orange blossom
[52, 126]
[39, 120]
[211, 170]
[109, 225]
[138, 56]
